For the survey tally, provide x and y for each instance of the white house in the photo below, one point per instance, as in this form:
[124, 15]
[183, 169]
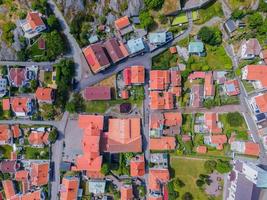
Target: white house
[3, 85]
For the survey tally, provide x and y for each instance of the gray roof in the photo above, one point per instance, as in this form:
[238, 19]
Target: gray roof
[230, 25]
[97, 186]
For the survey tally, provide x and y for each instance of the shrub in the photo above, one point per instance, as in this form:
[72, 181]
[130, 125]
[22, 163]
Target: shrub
[200, 182]
[238, 14]
[7, 34]
[223, 166]
[146, 19]
[210, 166]
[211, 36]
[53, 135]
[53, 22]
[105, 169]
[187, 196]
[255, 20]
[154, 4]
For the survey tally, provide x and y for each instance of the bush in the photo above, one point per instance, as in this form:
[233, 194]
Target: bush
[53, 22]
[238, 14]
[223, 166]
[210, 166]
[146, 19]
[53, 135]
[7, 34]
[211, 36]
[255, 20]
[173, 194]
[154, 4]
[187, 196]
[163, 19]
[200, 182]
[76, 105]
[234, 119]
[105, 169]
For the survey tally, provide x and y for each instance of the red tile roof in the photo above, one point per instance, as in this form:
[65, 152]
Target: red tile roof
[233, 84]
[264, 55]
[159, 79]
[161, 100]
[17, 76]
[201, 149]
[16, 130]
[9, 189]
[97, 93]
[126, 192]
[256, 73]
[122, 23]
[39, 174]
[34, 19]
[209, 88]
[172, 118]
[6, 104]
[116, 49]
[38, 138]
[5, 134]
[44, 94]
[36, 195]
[21, 175]
[157, 177]
[137, 166]
[85, 120]
[124, 135]
[261, 102]
[69, 188]
[163, 143]
[134, 75]
[125, 94]
[196, 92]
[218, 140]
[175, 78]
[211, 121]
[252, 149]
[173, 50]
[19, 104]
[196, 75]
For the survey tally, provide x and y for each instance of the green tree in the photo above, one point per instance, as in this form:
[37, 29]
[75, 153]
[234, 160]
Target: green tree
[105, 169]
[47, 111]
[76, 104]
[146, 19]
[154, 4]
[53, 22]
[223, 166]
[39, 5]
[7, 32]
[34, 85]
[55, 44]
[178, 184]
[53, 135]
[262, 6]
[211, 36]
[163, 19]
[141, 190]
[173, 194]
[234, 119]
[187, 196]
[200, 182]
[255, 20]
[238, 14]
[210, 166]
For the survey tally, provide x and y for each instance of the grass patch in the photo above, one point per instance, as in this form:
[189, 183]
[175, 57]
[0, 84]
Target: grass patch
[180, 19]
[195, 15]
[170, 6]
[187, 123]
[48, 77]
[188, 171]
[184, 42]
[248, 86]
[164, 60]
[5, 151]
[34, 51]
[227, 129]
[36, 153]
[208, 12]
[238, 3]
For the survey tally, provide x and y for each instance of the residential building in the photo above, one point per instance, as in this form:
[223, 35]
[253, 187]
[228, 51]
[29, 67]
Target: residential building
[256, 74]
[123, 25]
[211, 121]
[97, 93]
[44, 95]
[250, 49]
[247, 148]
[6, 104]
[263, 56]
[216, 141]
[97, 187]
[33, 25]
[196, 95]
[96, 57]
[5, 134]
[157, 179]
[158, 39]
[17, 76]
[39, 173]
[134, 75]
[137, 166]
[9, 189]
[201, 149]
[135, 46]
[69, 188]
[231, 87]
[230, 26]
[22, 106]
[162, 143]
[196, 48]
[115, 49]
[127, 192]
[3, 86]
[161, 100]
[38, 139]
[159, 159]
[16, 131]
[8, 166]
[159, 79]
[124, 135]
[259, 106]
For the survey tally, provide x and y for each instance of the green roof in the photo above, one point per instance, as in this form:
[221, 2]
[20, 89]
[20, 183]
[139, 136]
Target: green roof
[196, 47]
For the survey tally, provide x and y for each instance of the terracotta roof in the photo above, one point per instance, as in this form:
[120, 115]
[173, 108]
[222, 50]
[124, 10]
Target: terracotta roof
[256, 73]
[17, 76]
[9, 189]
[38, 138]
[6, 104]
[122, 23]
[137, 166]
[85, 120]
[5, 134]
[159, 79]
[163, 143]
[34, 19]
[196, 75]
[97, 93]
[44, 94]
[134, 75]
[36, 195]
[19, 104]
[261, 102]
[13, 155]
[211, 121]
[39, 174]
[124, 135]
[201, 149]
[126, 192]
[177, 91]
[175, 78]
[197, 93]
[125, 94]
[21, 175]
[8, 166]
[218, 140]
[156, 177]
[156, 120]
[172, 118]
[209, 88]
[155, 197]
[173, 50]
[69, 188]
[96, 57]
[264, 55]
[16, 130]
[232, 87]
[41, 43]
[161, 100]
[252, 149]
[116, 50]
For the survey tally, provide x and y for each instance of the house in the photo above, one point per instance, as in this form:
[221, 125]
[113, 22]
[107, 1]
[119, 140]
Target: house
[161, 100]
[230, 26]
[123, 25]
[3, 86]
[247, 148]
[8, 166]
[196, 48]
[159, 159]
[21, 106]
[134, 75]
[160, 38]
[162, 143]
[209, 88]
[196, 95]
[6, 104]
[256, 74]
[201, 149]
[38, 139]
[159, 79]
[135, 46]
[97, 187]
[173, 50]
[17, 76]
[69, 188]
[125, 94]
[33, 25]
[23, 177]
[127, 192]
[231, 87]
[5, 134]
[157, 178]
[96, 57]
[9, 189]
[115, 49]
[137, 166]
[249, 49]
[196, 75]
[259, 103]
[39, 173]
[44, 95]
[97, 93]
[166, 120]
[91, 160]
[124, 135]
[211, 121]
[16, 131]
[263, 56]
[216, 141]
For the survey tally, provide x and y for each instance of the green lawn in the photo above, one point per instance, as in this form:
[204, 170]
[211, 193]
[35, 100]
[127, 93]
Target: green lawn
[184, 42]
[164, 60]
[239, 3]
[34, 51]
[187, 123]
[195, 15]
[36, 153]
[216, 59]
[5, 151]
[248, 86]
[188, 171]
[48, 77]
[180, 19]
[227, 129]
[211, 10]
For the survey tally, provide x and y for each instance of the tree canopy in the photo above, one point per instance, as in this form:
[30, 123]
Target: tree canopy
[210, 166]
[146, 19]
[223, 166]
[154, 4]
[76, 104]
[211, 36]
[255, 20]
[187, 196]
[238, 14]
[53, 22]
[53, 135]
[234, 119]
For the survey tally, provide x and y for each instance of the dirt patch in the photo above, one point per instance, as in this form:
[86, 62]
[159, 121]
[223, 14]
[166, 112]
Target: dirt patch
[109, 82]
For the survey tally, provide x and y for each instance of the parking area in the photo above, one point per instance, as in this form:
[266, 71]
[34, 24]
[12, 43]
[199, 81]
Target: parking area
[73, 138]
